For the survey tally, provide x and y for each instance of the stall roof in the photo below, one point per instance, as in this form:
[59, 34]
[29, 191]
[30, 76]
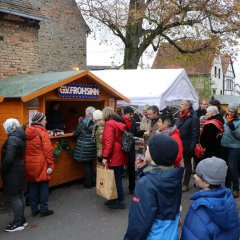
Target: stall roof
[227, 99]
[159, 87]
[28, 87]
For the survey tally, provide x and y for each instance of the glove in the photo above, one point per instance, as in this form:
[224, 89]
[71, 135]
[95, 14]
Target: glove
[49, 171]
[231, 126]
[104, 162]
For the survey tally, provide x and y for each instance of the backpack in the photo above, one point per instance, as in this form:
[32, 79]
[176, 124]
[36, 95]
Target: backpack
[127, 141]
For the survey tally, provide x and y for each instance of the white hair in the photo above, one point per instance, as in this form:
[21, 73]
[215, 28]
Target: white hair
[89, 111]
[97, 115]
[10, 125]
[213, 110]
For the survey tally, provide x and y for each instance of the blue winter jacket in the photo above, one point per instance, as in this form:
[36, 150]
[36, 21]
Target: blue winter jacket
[212, 216]
[154, 211]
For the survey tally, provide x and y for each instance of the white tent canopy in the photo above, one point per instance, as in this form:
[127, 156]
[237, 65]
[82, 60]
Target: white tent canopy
[161, 87]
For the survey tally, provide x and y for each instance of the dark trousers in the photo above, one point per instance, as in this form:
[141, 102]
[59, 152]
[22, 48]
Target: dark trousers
[89, 178]
[131, 169]
[18, 204]
[118, 178]
[38, 192]
[232, 158]
[187, 159]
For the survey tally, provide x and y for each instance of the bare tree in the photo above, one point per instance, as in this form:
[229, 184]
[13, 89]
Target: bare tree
[143, 23]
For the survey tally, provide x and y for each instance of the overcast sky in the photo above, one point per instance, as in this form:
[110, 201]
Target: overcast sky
[105, 55]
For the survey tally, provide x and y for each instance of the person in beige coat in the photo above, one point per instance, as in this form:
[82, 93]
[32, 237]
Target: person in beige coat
[98, 131]
[153, 115]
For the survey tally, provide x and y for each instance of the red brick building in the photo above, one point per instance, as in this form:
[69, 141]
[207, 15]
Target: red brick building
[41, 36]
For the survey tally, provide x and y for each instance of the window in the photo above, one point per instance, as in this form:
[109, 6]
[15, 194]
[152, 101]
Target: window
[215, 71]
[219, 73]
[229, 84]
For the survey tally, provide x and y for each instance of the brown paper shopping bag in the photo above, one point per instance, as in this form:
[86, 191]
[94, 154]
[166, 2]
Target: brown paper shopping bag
[105, 184]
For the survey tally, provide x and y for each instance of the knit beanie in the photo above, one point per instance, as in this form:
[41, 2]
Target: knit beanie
[233, 106]
[127, 109]
[212, 170]
[97, 115]
[163, 149]
[10, 125]
[38, 117]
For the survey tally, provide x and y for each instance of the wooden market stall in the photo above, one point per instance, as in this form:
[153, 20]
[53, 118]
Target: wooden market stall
[22, 96]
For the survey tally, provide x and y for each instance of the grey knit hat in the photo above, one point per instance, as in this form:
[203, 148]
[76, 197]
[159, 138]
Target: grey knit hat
[212, 170]
[38, 117]
[233, 106]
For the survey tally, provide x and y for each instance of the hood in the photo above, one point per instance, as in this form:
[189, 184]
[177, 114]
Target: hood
[32, 131]
[220, 206]
[18, 132]
[120, 125]
[168, 181]
[100, 123]
[218, 117]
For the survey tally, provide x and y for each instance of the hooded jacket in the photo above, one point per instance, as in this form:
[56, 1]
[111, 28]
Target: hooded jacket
[154, 211]
[86, 150]
[39, 155]
[213, 215]
[12, 167]
[111, 142]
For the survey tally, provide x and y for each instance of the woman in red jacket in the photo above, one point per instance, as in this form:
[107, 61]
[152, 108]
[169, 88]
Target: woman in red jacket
[166, 125]
[112, 153]
[39, 164]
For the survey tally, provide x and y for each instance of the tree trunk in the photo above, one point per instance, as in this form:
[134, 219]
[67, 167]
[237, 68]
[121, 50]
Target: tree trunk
[131, 57]
[134, 32]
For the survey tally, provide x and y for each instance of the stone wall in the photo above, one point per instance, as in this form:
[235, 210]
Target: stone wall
[62, 43]
[18, 48]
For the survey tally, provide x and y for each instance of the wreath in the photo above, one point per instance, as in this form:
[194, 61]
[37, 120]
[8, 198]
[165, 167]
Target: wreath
[63, 144]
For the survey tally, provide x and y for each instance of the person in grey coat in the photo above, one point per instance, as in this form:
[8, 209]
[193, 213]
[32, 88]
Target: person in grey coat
[230, 147]
[189, 126]
[13, 172]
[86, 151]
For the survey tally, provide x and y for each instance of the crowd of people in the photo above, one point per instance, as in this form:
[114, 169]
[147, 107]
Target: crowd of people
[161, 176]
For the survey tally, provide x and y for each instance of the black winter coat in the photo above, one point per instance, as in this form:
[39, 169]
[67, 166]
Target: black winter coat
[189, 132]
[210, 138]
[86, 149]
[12, 166]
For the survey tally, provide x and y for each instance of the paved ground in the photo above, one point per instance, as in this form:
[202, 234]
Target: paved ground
[79, 215]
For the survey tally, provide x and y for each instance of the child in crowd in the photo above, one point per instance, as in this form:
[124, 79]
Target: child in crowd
[154, 212]
[213, 214]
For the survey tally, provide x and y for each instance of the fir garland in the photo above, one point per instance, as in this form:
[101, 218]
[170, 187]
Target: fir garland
[63, 144]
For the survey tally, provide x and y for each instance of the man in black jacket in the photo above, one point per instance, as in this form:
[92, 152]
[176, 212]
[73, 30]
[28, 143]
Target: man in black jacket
[189, 127]
[202, 109]
[127, 117]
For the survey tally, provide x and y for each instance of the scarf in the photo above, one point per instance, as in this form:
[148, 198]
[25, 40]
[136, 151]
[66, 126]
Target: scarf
[128, 122]
[184, 114]
[168, 131]
[230, 118]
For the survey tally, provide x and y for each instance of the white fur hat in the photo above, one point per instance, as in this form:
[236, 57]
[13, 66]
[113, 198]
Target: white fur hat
[97, 115]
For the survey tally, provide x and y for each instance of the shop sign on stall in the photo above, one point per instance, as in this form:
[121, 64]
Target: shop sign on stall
[76, 90]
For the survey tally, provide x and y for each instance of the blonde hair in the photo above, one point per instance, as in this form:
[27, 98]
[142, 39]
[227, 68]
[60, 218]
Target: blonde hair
[107, 112]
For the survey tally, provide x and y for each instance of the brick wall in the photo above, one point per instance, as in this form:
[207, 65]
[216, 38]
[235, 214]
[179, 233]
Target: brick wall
[56, 46]
[18, 48]
[62, 43]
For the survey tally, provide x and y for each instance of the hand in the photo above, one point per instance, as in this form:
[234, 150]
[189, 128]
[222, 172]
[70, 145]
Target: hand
[140, 162]
[146, 133]
[104, 162]
[49, 171]
[231, 126]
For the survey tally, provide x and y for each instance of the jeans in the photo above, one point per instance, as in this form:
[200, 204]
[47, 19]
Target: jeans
[232, 158]
[88, 174]
[38, 192]
[118, 178]
[18, 204]
[187, 159]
